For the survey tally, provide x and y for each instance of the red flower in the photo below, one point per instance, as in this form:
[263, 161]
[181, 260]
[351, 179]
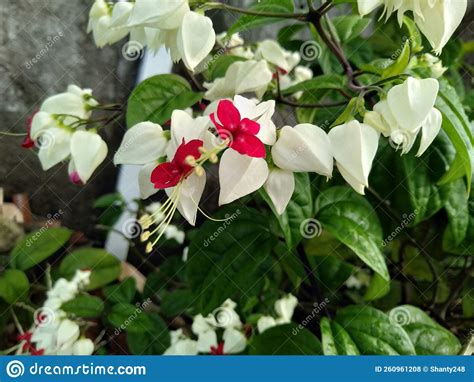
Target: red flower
[241, 132]
[217, 350]
[168, 174]
[28, 143]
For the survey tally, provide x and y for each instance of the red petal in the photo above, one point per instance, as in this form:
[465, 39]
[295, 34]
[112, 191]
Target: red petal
[248, 144]
[228, 115]
[186, 149]
[213, 119]
[165, 175]
[249, 127]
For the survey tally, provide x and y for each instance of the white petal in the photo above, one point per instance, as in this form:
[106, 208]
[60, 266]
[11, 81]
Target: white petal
[411, 101]
[184, 126]
[196, 38]
[252, 76]
[264, 323]
[354, 146]
[367, 6]
[141, 144]
[65, 103]
[68, 332]
[184, 346]
[439, 20]
[285, 307]
[88, 151]
[272, 52]
[234, 341]
[120, 14]
[430, 129]
[147, 188]
[40, 122]
[206, 340]
[168, 15]
[200, 325]
[279, 187]
[189, 196]
[240, 175]
[83, 346]
[55, 147]
[303, 148]
[376, 120]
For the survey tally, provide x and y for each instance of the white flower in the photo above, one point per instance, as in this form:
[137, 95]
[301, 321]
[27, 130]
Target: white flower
[241, 77]
[437, 19]
[284, 309]
[181, 345]
[273, 53]
[234, 45]
[303, 148]
[299, 74]
[407, 110]
[104, 23]
[83, 346]
[354, 146]
[280, 186]
[168, 15]
[143, 144]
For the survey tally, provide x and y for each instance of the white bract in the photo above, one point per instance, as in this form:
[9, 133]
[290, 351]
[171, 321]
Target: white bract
[437, 19]
[409, 108]
[54, 333]
[354, 146]
[284, 308]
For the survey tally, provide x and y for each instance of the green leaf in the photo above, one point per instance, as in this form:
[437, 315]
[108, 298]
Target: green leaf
[325, 81]
[14, 286]
[150, 343]
[289, 339]
[455, 199]
[331, 270]
[130, 318]
[123, 292]
[350, 218]
[378, 288]
[457, 127]
[247, 22]
[399, 65]
[291, 264]
[108, 200]
[84, 305]
[218, 67]
[104, 267]
[374, 332]
[349, 27]
[155, 99]
[335, 340]
[229, 259]
[38, 246]
[428, 337]
[176, 302]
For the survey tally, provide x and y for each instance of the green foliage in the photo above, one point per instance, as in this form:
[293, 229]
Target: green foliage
[84, 305]
[123, 292]
[38, 246]
[104, 267]
[155, 99]
[14, 286]
[289, 339]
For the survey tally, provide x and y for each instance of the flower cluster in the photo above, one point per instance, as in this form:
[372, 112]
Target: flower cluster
[437, 19]
[222, 332]
[53, 332]
[269, 61]
[59, 130]
[188, 35]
